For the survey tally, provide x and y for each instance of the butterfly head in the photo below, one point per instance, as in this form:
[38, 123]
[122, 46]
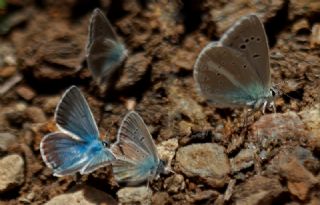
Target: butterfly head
[105, 143]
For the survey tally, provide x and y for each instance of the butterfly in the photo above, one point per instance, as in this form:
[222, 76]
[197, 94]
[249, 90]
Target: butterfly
[136, 153]
[76, 147]
[105, 53]
[234, 71]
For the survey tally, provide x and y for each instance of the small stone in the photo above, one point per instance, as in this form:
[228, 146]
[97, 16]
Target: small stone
[315, 36]
[167, 150]
[311, 118]
[174, 183]
[84, 196]
[6, 140]
[275, 129]
[243, 160]
[300, 25]
[25, 92]
[257, 190]
[300, 180]
[36, 115]
[183, 58]
[208, 161]
[49, 104]
[207, 195]
[134, 195]
[307, 159]
[7, 71]
[161, 198]
[11, 172]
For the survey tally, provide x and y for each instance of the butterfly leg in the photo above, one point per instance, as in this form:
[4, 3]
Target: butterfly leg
[272, 104]
[264, 107]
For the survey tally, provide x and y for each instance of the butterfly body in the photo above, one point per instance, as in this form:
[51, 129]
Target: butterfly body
[234, 71]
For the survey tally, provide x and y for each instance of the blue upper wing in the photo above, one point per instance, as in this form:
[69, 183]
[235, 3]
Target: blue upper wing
[66, 155]
[74, 116]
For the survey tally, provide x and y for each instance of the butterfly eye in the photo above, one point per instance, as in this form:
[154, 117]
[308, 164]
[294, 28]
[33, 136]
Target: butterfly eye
[273, 92]
[105, 144]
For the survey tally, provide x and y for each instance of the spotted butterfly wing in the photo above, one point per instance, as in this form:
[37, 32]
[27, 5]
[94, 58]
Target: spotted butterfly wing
[233, 72]
[137, 158]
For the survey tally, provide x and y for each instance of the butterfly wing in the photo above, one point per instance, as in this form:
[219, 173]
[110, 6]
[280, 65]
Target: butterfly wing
[66, 155]
[105, 53]
[225, 77]
[135, 151]
[100, 27]
[74, 116]
[248, 36]
[104, 57]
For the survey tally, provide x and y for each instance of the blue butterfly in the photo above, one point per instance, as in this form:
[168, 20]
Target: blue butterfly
[136, 153]
[234, 71]
[105, 53]
[76, 147]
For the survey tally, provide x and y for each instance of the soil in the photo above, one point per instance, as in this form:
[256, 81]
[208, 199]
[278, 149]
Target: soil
[45, 42]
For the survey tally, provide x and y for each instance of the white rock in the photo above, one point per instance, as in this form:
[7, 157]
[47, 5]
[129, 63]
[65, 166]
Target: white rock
[134, 195]
[6, 140]
[167, 150]
[11, 172]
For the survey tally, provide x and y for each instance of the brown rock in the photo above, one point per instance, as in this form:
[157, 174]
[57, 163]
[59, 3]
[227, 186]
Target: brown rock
[161, 198]
[35, 114]
[315, 36]
[267, 132]
[230, 13]
[257, 190]
[26, 92]
[174, 183]
[207, 161]
[300, 180]
[84, 196]
[243, 160]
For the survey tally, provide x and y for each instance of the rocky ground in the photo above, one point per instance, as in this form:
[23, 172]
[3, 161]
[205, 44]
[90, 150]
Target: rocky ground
[273, 160]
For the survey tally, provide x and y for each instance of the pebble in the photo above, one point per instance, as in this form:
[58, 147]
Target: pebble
[84, 196]
[161, 198]
[6, 140]
[276, 129]
[134, 195]
[300, 180]
[244, 159]
[25, 92]
[174, 183]
[257, 190]
[315, 36]
[167, 150]
[36, 115]
[311, 118]
[208, 161]
[49, 104]
[207, 195]
[11, 172]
